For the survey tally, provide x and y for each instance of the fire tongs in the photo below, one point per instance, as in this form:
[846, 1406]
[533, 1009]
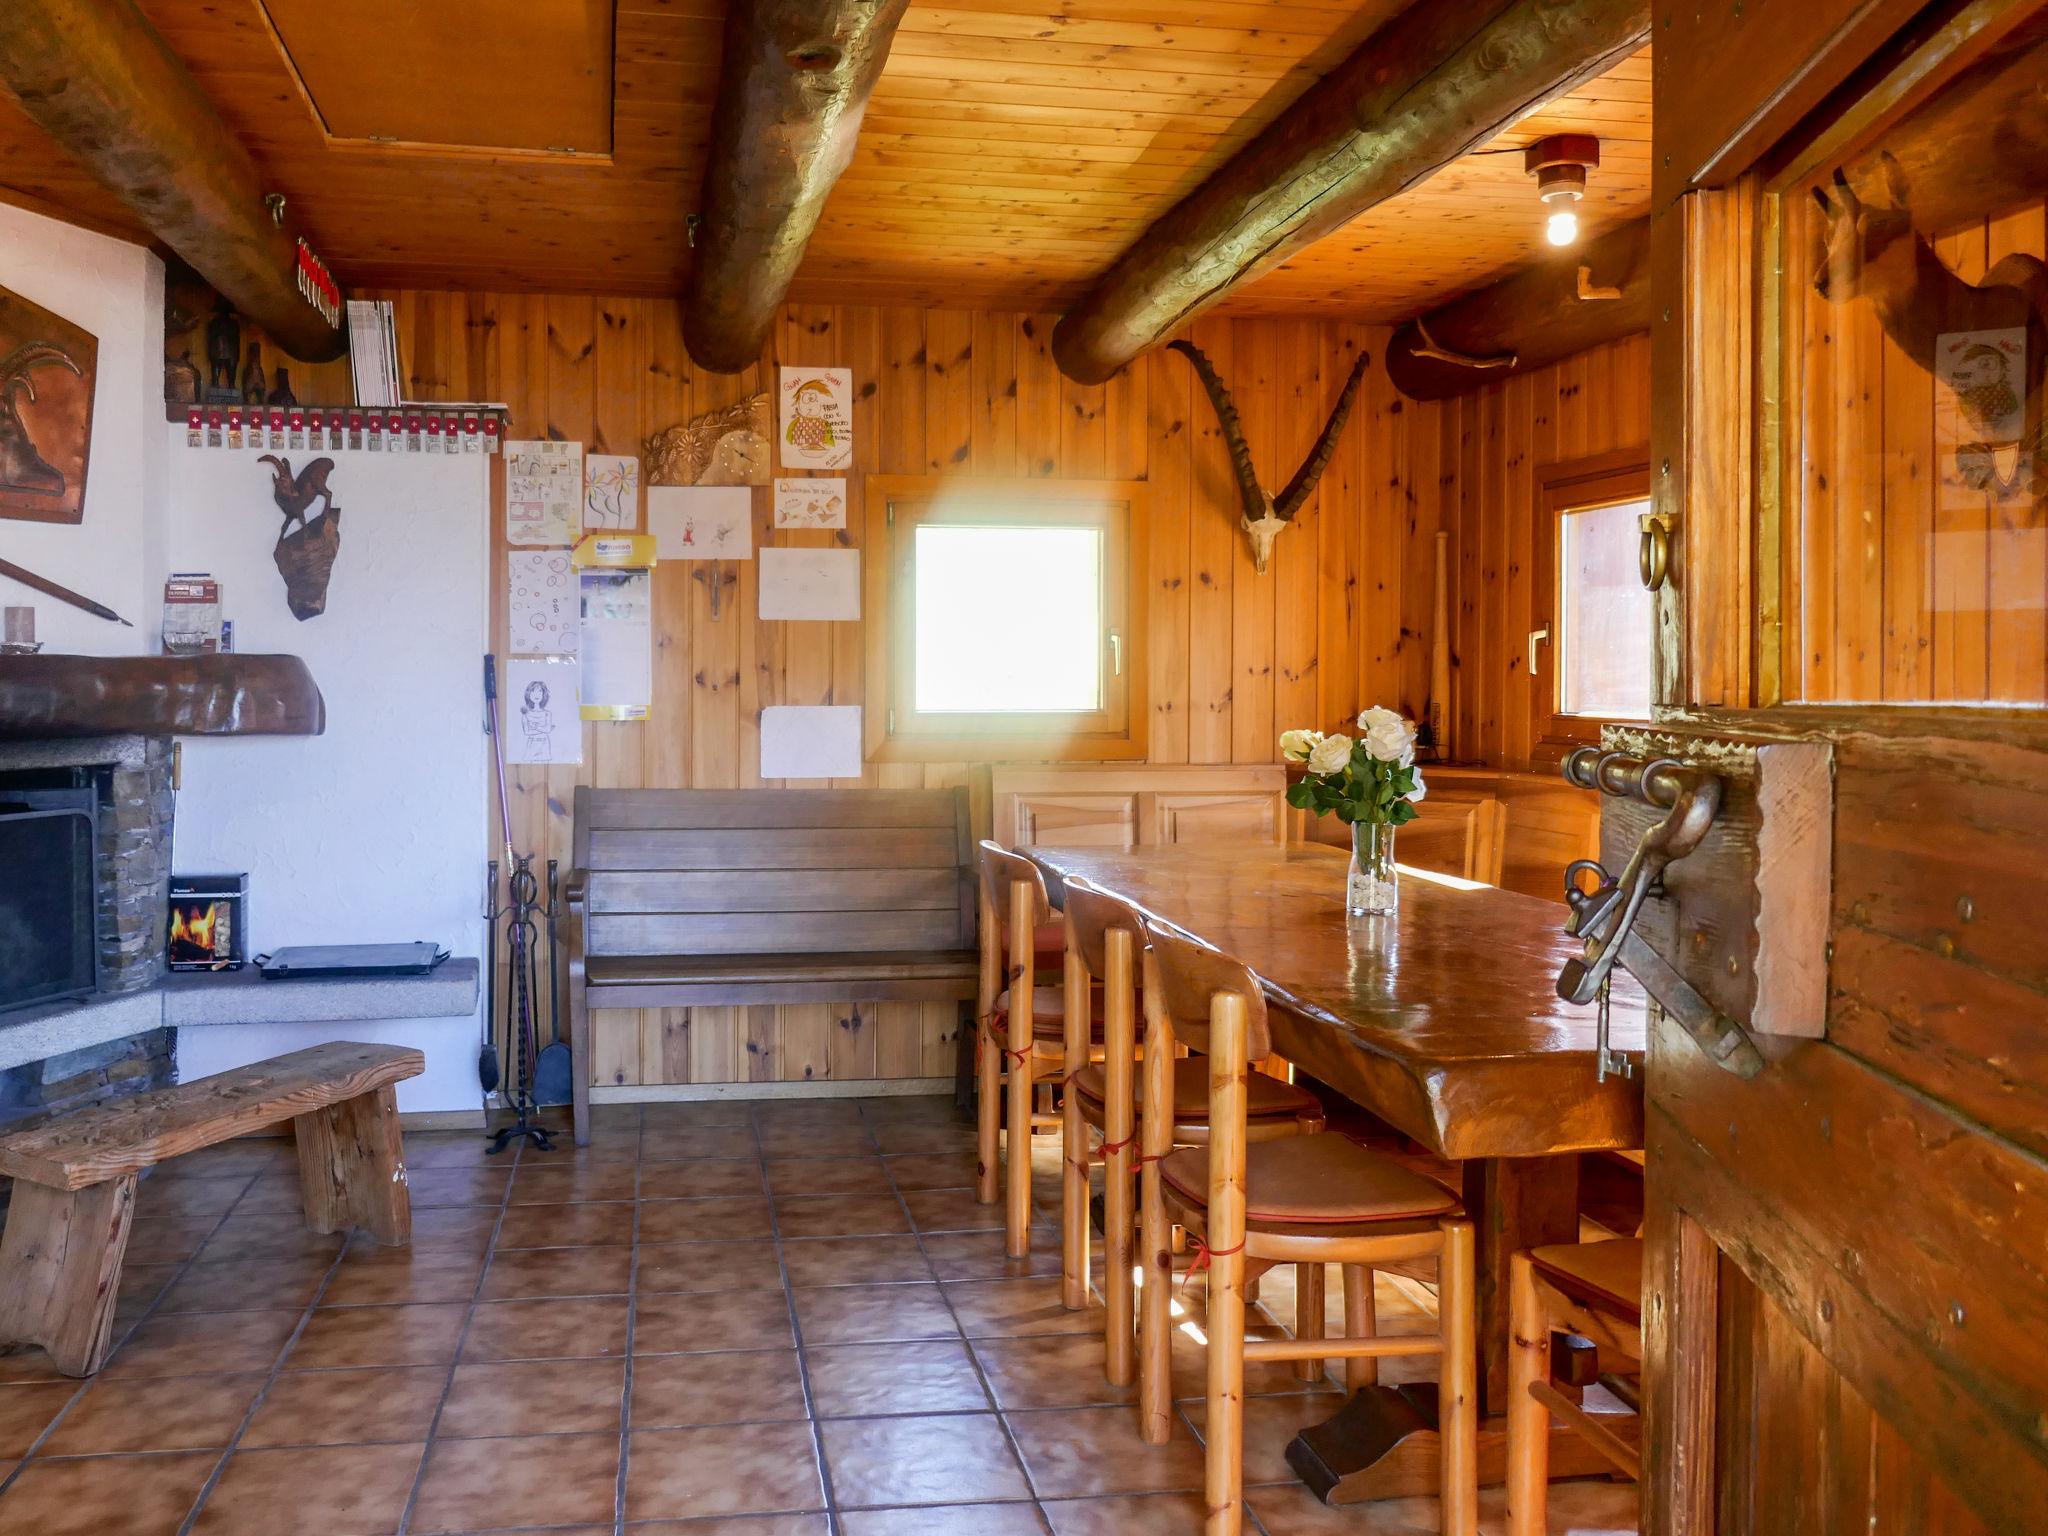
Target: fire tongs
[1605, 917]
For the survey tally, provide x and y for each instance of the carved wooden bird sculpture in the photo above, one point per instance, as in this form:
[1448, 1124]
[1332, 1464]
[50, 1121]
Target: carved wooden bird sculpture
[1265, 516]
[294, 494]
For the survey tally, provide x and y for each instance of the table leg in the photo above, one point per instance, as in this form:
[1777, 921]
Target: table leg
[1382, 1443]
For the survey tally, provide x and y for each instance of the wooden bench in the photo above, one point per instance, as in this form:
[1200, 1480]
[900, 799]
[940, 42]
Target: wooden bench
[74, 1179]
[703, 897]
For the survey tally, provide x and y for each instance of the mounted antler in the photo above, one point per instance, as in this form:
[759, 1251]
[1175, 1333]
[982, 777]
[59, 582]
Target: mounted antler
[1265, 516]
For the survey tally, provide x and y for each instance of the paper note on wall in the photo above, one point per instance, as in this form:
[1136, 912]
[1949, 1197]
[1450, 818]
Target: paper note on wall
[811, 741]
[542, 611]
[543, 491]
[701, 522]
[811, 503]
[815, 429]
[611, 492]
[810, 584]
[541, 722]
[618, 643]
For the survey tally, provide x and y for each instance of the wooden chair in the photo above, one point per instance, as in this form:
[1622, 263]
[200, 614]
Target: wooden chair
[1591, 1291]
[1455, 832]
[1297, 1200]
[1017, 1020]
[1104, 937]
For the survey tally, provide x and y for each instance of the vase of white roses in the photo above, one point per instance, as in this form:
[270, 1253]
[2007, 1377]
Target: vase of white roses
[1371, 785]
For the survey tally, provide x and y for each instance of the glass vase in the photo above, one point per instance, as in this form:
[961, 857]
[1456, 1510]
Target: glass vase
[1373, 889]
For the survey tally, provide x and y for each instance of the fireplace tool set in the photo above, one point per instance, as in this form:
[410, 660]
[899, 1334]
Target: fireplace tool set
[522, 916]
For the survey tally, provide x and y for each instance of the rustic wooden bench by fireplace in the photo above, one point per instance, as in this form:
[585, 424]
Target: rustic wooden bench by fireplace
[706, 897]
[74, 1179]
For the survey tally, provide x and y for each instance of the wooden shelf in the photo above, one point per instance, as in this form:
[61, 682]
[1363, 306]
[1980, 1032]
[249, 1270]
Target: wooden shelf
[52, 696]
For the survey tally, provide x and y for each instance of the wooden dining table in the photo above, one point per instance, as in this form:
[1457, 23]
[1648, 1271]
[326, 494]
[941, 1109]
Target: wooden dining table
[1443, 1021]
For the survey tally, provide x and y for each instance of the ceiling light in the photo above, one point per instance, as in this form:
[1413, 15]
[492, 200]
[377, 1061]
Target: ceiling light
[1559, 163]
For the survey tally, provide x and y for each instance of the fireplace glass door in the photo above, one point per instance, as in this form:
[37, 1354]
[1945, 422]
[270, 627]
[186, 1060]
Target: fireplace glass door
[49, 947]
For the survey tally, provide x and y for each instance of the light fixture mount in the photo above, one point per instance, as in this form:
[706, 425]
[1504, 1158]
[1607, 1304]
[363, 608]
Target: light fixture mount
[1559, 163]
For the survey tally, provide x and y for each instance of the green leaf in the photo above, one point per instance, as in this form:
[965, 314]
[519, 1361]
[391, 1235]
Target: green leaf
[1301, 795]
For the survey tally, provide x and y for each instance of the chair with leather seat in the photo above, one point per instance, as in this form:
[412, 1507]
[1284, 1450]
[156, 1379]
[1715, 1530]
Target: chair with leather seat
[1319, 1199]
[1104, 937]
[1021, 1022]
[1590, 1291]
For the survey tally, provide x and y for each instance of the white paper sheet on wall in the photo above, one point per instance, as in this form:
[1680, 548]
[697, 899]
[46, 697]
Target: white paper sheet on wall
[811, 741]
[542, 611]
[810, 584]
[618, 643]
[541, 723]
[543, 491]
[611, 492]
[815, 429]
[811, 503]
[701, 522]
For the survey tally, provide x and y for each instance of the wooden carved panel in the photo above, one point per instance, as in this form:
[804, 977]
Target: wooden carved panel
[47, 369]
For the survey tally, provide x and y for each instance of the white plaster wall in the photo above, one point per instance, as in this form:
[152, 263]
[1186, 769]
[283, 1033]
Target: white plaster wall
[116, 555]
[449, 1083]
[375, 831]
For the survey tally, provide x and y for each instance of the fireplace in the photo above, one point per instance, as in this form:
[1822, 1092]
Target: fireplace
[49, 898]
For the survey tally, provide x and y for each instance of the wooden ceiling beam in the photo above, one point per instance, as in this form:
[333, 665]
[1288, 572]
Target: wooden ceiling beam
[1431, 85]
[1528, 319]
[795, 82]
[100, 81]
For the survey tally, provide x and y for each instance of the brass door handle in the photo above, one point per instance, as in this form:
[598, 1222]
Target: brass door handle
[1654, 555]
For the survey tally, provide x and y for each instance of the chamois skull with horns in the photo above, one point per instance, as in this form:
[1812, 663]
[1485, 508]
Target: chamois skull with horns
[1265, 516]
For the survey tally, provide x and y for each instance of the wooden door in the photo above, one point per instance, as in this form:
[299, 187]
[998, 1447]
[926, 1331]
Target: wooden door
[1847, 1268]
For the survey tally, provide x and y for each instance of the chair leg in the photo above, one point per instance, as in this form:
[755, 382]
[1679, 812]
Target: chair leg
[60, 1269]
[1458, 1385]
[1155, 1252]
[1017, 1210]
[988, 1075]
[1361, 1321]
[1528, 1487]
[1118, 1293]
[1074, 1242]
[1309, 1308]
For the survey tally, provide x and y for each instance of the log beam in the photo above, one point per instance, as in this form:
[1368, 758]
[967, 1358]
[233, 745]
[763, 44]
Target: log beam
[100, 81]
[795, 83]
[1437, 81]
[1529, 319]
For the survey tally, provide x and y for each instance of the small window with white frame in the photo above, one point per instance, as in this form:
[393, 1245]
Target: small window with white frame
[1594, 659]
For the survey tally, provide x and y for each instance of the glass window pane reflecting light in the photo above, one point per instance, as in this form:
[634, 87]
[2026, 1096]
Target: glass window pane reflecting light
[970, 657]
[1606, 617]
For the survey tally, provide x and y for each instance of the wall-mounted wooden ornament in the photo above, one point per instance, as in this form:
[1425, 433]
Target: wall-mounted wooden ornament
[47, 369]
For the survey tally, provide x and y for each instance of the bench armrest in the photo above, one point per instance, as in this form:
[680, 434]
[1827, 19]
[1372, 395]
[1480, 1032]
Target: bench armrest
[576, 887]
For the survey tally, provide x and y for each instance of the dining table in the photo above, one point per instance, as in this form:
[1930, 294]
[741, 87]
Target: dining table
[1443, 1020]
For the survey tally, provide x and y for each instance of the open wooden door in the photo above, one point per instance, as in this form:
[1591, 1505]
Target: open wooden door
[1846, 1311]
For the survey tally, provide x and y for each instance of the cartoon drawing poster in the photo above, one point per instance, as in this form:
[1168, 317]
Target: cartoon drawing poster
[701, 522]
[541, 723]
[543, 491]
[542, 611]
[810, 503]
[611, 492]
[815, 428]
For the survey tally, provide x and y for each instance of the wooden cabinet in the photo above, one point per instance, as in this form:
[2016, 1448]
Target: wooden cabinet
[1104, 806]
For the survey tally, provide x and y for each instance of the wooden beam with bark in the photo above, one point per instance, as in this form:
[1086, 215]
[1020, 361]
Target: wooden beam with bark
[795, 83]
[1567, 302]
[100, 81]
[1434, 83]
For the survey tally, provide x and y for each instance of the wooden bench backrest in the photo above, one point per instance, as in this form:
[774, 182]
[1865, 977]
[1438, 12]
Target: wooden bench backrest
[770, 871]
[90, 1146]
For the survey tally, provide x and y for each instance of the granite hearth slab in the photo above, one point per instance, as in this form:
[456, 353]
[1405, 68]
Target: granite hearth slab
[52, 696]
[38, 1033]
[244, 997]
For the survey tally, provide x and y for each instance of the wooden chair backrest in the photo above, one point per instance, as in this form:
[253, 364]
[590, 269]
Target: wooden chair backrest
[1182, 979]
[770, 871]
[1092, 913]
[1001, 872]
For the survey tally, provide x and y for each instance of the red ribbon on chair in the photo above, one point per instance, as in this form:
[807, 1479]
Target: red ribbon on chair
[988, 1029]
[1203, 1254]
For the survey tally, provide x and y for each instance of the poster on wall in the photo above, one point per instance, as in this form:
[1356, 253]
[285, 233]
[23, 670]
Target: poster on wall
[542, 610]
[618, 643]
[611, 492]
[1980, 417]
[545, 724]
[543, 491]
[806, 741]
[817, 503]
[46, 392]
[701, 522]
[817, 418]
[810, 584]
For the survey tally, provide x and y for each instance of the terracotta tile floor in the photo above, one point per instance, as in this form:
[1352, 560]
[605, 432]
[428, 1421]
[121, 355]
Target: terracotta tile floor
[781, 1319]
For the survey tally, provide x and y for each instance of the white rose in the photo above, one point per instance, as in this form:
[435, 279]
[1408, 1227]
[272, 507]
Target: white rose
[1295, 746]
[1330, 755]
[1417, 793]
[1387, 736]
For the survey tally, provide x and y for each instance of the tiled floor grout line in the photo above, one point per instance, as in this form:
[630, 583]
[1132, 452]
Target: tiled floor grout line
[483, 1275]
[85, 1383]
[632, 1319]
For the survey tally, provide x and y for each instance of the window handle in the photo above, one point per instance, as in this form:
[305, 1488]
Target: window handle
[1536, 637]
[1116, 654]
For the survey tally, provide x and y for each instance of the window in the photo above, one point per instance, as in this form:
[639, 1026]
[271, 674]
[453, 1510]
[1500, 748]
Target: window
[1003, 620]
[1594, 659]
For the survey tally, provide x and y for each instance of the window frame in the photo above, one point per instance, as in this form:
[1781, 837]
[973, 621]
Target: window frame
[1572, 485]
[897, 505]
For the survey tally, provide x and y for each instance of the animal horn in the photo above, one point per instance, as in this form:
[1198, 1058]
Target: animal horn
[14, 368]
[1248, 491]
[1304, 482]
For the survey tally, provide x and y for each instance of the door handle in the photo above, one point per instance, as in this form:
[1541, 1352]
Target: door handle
[1536, 637]
[1116, 654]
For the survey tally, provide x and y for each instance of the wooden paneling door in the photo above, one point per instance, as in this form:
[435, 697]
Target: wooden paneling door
[1846, 1281]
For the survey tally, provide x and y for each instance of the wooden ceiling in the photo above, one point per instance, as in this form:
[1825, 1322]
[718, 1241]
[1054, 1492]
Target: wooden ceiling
[1011, 150]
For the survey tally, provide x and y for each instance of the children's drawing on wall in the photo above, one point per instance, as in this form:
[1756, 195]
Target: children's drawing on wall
[543, 491]
[546, 727]
[305, 555]
[728, 446]
[817, 418]
[611, 492]
[810, 503]
[810, 584]
[1981, 416]
[541, 616]
[700, 522]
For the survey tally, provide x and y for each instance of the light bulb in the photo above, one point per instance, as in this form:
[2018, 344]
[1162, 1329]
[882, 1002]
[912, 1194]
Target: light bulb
[1562, 228]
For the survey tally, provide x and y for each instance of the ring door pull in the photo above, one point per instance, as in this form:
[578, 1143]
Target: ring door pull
[1604, 918]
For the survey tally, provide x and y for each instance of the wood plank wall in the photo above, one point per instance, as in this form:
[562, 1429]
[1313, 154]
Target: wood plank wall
[1342, 619]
